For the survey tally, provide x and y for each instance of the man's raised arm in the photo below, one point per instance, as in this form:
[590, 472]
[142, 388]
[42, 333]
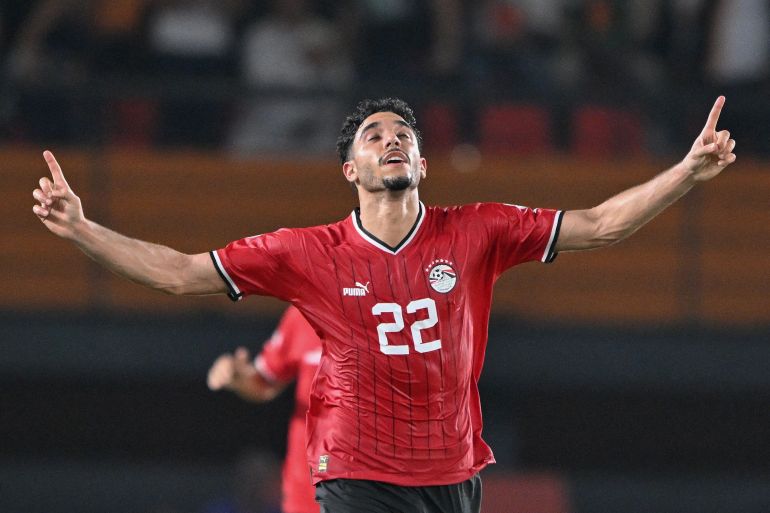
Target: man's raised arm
[151, 265]
[623, 214]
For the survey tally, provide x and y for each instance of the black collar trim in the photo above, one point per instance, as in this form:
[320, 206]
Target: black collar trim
[382, 245]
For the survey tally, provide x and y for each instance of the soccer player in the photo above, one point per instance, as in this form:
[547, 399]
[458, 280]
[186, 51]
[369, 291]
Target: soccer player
[293, 352]
[399, 294]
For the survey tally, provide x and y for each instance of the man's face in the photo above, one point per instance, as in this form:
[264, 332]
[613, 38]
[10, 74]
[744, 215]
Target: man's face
[385, 155]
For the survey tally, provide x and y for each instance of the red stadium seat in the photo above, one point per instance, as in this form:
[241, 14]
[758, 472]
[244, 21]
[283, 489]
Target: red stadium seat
[599, 131]
[134, 122]
[520, 129]
[524, 493]
[442, 122]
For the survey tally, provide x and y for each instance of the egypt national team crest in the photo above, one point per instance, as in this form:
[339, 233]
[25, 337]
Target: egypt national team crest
[441, 275]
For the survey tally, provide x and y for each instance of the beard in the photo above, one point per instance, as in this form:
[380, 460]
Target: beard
[397, 183]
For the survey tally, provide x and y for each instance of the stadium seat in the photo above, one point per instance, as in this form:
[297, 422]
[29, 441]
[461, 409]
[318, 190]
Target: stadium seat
[525, 493]
[522, 129]
[134, 122]
[601, 131]
[442, 120]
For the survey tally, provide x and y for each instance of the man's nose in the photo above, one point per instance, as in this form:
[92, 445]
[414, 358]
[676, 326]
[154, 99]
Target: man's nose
[392, 140]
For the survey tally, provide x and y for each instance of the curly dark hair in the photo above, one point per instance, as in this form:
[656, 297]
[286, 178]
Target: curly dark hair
[366, 108]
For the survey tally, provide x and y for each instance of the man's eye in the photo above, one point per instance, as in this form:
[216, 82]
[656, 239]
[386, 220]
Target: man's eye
[404, 135]
[374, 138]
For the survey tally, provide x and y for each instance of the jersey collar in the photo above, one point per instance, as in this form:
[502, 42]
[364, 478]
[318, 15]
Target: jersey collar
[374, 241]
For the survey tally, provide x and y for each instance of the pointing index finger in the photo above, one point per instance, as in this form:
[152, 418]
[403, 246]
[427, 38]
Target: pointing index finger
[53, 166]
[716, 110]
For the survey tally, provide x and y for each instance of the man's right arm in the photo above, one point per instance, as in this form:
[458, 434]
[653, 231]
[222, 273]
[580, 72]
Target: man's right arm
[152, 265]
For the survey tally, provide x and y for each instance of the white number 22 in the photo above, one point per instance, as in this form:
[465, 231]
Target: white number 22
[398, 324]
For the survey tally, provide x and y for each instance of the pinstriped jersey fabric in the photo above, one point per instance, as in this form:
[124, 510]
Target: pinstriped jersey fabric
[403, 329]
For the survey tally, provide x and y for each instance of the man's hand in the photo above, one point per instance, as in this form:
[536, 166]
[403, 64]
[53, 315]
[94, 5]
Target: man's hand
[236, 372]
[712, 151]
[59, 208]
[231, 371]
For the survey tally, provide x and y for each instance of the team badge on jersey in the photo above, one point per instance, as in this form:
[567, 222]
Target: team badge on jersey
[441, 275]
[323, 463]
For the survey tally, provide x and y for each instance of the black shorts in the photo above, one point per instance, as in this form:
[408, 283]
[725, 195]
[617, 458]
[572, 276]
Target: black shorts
[361, 496]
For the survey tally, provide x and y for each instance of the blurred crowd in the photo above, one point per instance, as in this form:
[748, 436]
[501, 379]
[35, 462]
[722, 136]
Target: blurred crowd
[277, 76]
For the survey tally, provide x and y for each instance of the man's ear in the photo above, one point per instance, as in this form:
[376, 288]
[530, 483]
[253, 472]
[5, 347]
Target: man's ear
[350, 171]
[423, 168]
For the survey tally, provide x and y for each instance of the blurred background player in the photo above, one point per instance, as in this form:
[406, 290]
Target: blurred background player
[292, 353]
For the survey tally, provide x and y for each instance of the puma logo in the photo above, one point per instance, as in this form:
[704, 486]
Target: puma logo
[359, 290]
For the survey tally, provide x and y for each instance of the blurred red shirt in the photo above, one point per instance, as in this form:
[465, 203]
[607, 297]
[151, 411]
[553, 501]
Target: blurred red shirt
[293, 353]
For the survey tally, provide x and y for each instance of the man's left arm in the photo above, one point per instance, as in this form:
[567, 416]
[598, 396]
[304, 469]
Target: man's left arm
[623, 214]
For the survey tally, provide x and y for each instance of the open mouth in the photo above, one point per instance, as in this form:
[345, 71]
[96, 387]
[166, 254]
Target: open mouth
[394, 157]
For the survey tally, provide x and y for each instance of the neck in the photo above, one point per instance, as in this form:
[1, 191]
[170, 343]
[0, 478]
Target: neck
[389, 217]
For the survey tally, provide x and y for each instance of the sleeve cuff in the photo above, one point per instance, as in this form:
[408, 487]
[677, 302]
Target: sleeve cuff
[233, 292]
[550, 254]
[264, 370]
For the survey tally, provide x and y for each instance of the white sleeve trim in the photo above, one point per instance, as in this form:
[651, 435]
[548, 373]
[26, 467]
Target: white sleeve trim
[549, 253]
[235, 293]
[264, 370]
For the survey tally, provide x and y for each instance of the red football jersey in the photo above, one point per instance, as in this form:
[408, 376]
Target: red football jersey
[404, 331]
[293, 352]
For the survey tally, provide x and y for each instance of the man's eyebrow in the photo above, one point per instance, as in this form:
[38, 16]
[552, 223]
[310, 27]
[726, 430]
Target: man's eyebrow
[374, 124]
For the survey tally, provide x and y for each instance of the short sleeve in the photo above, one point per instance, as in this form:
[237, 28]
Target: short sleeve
[279, 360]
[521, 234]
[264, 264]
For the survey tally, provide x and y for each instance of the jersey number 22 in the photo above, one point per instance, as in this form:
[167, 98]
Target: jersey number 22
[398, 324]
